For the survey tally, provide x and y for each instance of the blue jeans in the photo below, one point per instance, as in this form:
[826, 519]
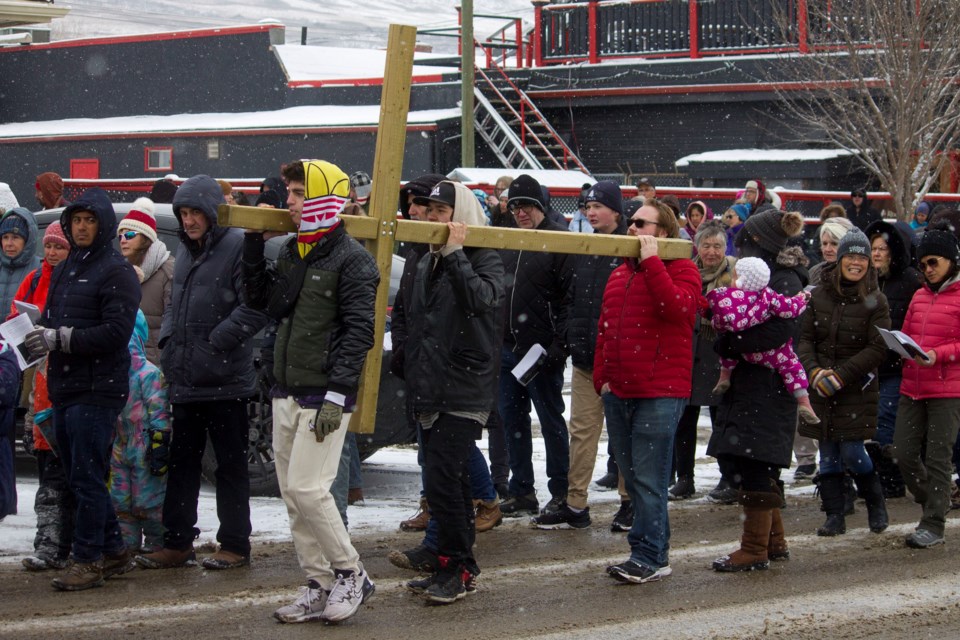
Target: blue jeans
[837, 456]
[642, 431]
[85, 436]
[481, 486]
[545, 391]
[887, 409]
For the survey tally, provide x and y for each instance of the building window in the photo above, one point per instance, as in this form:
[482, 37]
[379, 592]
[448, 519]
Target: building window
[158, 159]
[213, 149]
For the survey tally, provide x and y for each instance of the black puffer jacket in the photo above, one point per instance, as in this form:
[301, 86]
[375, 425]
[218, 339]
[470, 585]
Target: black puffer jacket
[757, 417]
[322, 342]
[898, 285]
[840, 333]
[399, 330]
[536, 290]
[584, 300]
[207, 330]
[96, 292]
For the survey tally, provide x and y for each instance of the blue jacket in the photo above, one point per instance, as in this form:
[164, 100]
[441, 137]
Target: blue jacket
[14, 270]
[207, 330]
[96, 292]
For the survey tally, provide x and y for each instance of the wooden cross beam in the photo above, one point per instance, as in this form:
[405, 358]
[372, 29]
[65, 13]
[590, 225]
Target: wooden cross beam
[383, 229]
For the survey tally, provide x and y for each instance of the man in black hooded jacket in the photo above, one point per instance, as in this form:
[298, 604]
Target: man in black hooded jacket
[86, 326]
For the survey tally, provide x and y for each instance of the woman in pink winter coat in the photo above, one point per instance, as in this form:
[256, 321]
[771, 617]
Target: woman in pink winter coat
[929, 408]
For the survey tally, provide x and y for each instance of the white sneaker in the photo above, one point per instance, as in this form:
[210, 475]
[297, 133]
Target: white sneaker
[351, 589]
[309, 605]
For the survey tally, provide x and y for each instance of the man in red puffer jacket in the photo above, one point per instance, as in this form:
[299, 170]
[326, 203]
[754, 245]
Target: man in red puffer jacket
[643, 366]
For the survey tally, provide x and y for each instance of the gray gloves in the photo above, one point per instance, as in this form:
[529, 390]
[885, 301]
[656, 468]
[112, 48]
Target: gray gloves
[41, 341]
[327, 420]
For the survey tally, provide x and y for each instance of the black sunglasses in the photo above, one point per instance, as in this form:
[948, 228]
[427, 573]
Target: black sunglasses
[931, 263]
[640, 223]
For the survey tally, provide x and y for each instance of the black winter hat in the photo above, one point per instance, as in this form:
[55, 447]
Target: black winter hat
[937, 242]
[607, 193]
[771, 228]
[421, 186]
[854, 242]
[526, 190]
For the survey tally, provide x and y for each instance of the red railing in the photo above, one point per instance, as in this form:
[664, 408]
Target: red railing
[600, 30]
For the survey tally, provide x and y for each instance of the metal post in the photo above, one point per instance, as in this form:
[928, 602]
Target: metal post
[694, 30]
[467, 148]
[592, 32]
[538, 31]
[303, 35]
[802, 35]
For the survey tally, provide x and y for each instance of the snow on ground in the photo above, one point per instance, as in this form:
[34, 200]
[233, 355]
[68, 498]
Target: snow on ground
[391, 485]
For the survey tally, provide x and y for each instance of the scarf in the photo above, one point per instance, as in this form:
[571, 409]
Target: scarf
[319, 217]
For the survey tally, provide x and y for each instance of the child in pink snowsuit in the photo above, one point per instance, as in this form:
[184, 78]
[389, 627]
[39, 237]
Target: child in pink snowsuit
[751, 302]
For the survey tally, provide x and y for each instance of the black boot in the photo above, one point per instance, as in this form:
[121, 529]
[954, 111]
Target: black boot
[872, 491]
[831, 494]
[849, 496]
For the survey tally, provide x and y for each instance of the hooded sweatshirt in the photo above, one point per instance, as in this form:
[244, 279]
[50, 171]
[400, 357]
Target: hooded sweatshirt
[94, 292]
[452, 358]
[14, 270]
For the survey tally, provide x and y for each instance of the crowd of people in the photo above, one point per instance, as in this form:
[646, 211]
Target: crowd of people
[139, 357]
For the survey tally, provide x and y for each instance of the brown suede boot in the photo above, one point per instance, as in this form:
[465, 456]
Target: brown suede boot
[419, 520]
[757, 522]
[167, 559]
[488, 515]
[777, 548]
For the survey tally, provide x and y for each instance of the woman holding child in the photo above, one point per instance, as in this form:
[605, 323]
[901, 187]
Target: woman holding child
[758, 415]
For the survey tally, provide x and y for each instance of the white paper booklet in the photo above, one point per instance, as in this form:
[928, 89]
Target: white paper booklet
[903, 344]
[528, 367]
[13, 331]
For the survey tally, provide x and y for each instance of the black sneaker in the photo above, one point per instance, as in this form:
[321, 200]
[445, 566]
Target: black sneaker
[805, 472]
[421, 585]
[682, 489]
[623, 518]
[564, 518]
[445, 588]
[608, 481]
[637, 573]
[724, 493]
[517, 506]
[556, 503]
[419, 559]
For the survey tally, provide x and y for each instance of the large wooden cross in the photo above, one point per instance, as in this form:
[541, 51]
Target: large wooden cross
[382, 229]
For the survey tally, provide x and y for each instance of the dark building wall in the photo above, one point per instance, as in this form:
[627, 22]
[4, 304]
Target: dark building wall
[651, 137]
[240, 156]
[162, 77]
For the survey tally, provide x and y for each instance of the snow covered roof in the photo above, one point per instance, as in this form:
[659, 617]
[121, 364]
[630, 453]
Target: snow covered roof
[325, 66]
[306, 117]
[548, 178]
[762, 155]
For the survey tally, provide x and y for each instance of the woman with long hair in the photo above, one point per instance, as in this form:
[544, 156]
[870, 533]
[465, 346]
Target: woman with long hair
[841, 348]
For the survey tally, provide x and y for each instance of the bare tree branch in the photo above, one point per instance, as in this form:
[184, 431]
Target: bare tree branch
[884, 83]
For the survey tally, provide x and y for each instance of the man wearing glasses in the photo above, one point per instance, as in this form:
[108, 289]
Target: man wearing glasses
[536, 288]
[643, 366]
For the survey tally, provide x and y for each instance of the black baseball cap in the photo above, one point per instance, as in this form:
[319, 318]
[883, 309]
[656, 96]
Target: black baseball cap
[444, 192]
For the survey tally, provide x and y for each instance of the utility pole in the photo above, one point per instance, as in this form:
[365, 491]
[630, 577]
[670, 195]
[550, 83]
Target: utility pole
[467, 149]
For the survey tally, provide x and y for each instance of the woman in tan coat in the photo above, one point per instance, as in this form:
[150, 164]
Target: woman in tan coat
[153, 263]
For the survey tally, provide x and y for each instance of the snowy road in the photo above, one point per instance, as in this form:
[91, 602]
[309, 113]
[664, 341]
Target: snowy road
[534, 583]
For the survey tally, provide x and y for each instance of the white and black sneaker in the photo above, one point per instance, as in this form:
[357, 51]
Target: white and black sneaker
[563, 518]
[309, 605]
[623, 518]
[637, 573]
[351, 589]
